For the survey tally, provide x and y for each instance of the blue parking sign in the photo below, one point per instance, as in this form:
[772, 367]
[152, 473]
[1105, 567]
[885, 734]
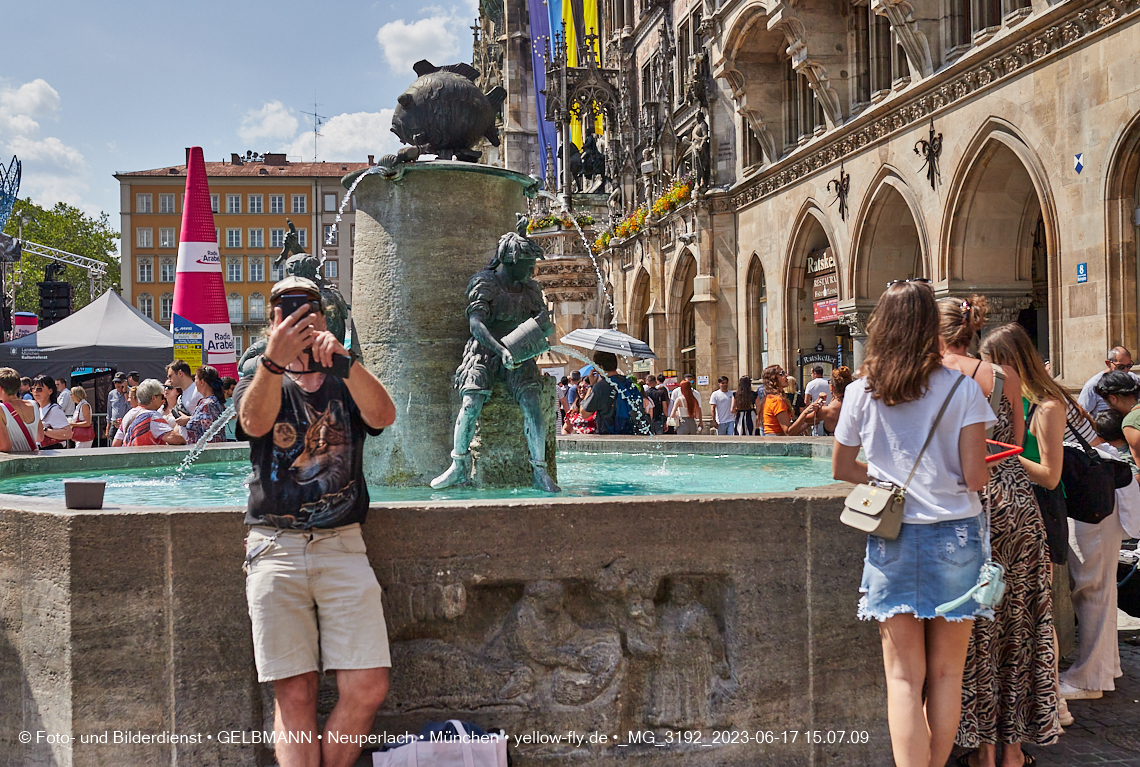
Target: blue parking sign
[1082, 272]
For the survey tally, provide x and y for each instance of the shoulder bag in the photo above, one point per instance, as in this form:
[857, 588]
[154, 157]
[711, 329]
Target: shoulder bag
[877, 509]
[1091, 481]
[435, 747]
[83, 433]
[1054, 511]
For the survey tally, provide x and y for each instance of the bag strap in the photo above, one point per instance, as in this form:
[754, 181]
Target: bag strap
[1093, 455]
[20, 422]
[996, 395]
[465, 743]
[933, 427]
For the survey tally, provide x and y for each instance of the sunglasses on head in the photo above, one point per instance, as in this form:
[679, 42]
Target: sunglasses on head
[923, 280]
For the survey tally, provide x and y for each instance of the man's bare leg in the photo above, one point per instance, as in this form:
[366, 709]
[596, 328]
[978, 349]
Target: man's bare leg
[361, 691]
[295, 712]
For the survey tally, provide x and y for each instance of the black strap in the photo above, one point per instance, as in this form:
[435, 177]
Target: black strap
[934, 426]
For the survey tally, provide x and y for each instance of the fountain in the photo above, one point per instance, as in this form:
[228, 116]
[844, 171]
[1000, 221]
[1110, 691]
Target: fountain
[712, 626]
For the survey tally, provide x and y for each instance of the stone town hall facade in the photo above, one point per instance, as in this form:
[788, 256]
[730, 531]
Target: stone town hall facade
[803, 97]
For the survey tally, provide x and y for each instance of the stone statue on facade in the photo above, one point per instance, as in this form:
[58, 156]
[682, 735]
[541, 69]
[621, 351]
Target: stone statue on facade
[700, 152]
[509, 323]
[301, 264]
[593, 165]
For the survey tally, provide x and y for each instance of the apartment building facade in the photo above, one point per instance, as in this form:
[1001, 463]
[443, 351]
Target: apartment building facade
[253, 199]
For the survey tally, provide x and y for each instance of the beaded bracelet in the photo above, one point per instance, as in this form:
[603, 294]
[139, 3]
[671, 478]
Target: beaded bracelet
[272, 366]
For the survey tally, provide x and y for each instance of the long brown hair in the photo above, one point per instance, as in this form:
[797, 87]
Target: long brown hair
[1010, 345]
[771, 380]
[902, 344]
[961, 319]
[745, 397]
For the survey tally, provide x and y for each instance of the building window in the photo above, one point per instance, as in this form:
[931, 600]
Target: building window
[234, 303]
[331, 234]
[880, 45]
[256, 308]
[233, 203]
[166, 203]
[143, 203]
[753, 151]
[331, 269]
[352, 234]
[987, 14]
[146, 304]
[166, 268]
[257, 270]
[233, 269]
[803, 112]
[257, 238]
[276, 272]
[255, 203]
[217, 235]
[213, 203]
[233, 238]
[299, 203]
[146, 269]
[237, 344]
[166, 237]
[144, 237]
[276, 203]
[330, 203]
[276, 238]
[303, 238]
[165, 306]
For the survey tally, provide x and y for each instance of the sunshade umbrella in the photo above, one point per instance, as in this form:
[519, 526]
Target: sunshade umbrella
[606, 340]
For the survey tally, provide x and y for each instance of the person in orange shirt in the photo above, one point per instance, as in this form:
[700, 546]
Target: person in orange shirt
[775, 412]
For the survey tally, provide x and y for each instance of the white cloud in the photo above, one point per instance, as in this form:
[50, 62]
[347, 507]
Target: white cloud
[437, 38]
[348, 137]
[52, 170]
[274, 121]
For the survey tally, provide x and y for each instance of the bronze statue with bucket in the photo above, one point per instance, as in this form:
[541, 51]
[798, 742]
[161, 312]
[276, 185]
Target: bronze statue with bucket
[509, 325]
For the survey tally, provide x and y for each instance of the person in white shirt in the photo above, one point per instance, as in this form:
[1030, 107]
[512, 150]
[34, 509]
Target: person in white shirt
[939, 552]
[181, 376]
[63, 397]
[721, 402]
[816, 386]
[1118, 358]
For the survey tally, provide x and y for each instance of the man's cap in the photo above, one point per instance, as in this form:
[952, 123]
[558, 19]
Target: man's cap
[119, 378]
[133, 374]
[294, 284]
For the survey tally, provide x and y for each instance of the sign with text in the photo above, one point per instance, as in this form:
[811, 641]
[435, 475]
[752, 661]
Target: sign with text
[1082, 272]
[826, 286]
[820, 262]
[702, 380]
[827, 311]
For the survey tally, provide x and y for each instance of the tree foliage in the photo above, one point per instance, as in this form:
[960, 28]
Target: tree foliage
[65, 228]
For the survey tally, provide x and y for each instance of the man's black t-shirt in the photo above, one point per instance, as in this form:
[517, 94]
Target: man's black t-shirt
[307, 470]
[659, 399]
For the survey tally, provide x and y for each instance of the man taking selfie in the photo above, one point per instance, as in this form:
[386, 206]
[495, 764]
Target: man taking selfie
[306, 412]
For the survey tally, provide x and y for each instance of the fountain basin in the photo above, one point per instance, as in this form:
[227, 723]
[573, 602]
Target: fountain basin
[717, 613]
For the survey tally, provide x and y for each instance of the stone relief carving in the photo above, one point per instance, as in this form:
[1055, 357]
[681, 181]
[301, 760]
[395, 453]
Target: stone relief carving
[582, 649]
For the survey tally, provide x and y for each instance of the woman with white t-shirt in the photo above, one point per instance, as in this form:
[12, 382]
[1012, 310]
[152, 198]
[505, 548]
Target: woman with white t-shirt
[939, 552]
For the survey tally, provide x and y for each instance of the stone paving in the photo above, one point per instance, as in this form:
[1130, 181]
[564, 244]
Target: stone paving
[1106, 731]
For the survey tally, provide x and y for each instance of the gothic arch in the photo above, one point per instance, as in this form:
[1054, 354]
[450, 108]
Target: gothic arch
[640, 298]
[999, 233]
[679, 311]
[890, 240]
[811, 232]
[1122, 199]
[755, 318]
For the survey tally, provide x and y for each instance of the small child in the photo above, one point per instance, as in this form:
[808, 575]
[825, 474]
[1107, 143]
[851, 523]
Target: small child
[1110, 427]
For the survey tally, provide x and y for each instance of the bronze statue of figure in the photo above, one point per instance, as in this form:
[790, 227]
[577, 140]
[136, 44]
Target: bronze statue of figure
[702, 160]
[500, 299]
[302, 264]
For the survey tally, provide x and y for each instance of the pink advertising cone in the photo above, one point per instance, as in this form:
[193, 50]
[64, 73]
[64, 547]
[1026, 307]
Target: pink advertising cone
[201, 321]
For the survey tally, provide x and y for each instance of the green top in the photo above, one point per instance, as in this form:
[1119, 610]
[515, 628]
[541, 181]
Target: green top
[1133, 418]
[1031, 451]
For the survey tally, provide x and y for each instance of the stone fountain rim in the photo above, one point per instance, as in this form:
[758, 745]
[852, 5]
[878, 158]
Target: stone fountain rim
[530, 184]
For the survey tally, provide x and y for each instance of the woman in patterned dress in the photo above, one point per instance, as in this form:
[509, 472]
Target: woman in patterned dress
[1009, 686]
[210, 407]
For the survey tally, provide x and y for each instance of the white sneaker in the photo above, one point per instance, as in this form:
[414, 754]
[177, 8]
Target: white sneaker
[1063, 713]
[1075, 693]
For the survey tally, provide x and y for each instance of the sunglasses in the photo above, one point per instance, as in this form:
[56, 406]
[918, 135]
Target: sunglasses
[1121, 366]
[923, 280]
[168, 388]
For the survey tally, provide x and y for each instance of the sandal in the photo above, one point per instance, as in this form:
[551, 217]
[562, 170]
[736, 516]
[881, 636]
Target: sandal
[964, 759]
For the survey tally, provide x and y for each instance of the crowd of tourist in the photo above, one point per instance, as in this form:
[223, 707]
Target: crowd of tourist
[45, 414]
[965, 671]
[659, 405]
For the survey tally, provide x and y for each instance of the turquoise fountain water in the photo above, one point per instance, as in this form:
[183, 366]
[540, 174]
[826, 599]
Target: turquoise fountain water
[579, 474]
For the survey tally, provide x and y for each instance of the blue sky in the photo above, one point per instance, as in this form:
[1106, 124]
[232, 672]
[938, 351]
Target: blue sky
[88, 89]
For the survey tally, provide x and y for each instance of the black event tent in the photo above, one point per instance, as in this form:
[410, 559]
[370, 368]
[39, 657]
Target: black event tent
[107, 333]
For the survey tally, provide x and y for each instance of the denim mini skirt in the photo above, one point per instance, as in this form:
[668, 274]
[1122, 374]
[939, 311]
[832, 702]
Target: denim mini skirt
[924, 567]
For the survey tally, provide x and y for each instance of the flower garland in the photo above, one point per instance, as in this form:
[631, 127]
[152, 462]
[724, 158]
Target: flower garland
[558, 219]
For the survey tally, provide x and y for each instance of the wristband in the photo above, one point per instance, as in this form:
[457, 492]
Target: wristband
[272, 366]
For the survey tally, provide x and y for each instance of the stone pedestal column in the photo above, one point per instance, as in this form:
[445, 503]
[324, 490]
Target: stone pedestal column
[857, 323]
[419, 240]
